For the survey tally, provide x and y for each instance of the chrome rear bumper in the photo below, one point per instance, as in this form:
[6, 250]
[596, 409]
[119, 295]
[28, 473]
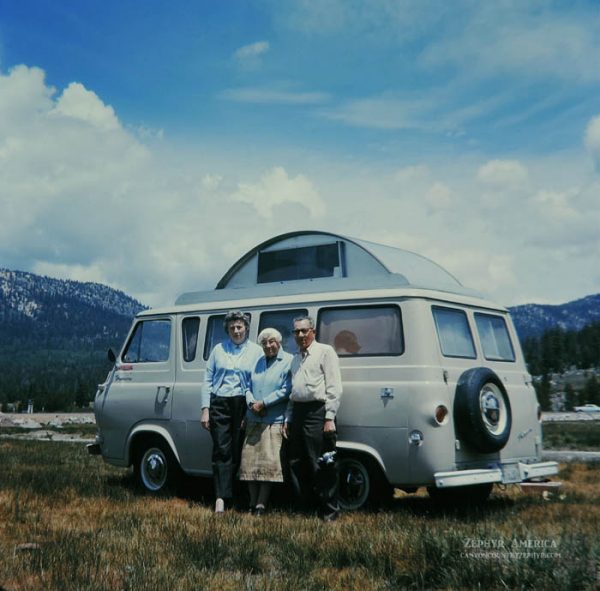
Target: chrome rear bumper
[508, 473]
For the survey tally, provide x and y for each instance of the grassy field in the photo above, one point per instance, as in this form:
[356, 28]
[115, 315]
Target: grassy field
[69, 521]
[581, 435]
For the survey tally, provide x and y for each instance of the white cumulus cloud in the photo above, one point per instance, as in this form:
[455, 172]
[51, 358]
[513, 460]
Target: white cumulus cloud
[276, 188]
[79, 103]
[503, 174]
[592, 139]
[252, 50]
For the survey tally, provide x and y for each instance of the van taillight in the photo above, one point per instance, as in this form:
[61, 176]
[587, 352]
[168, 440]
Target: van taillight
[539, 413]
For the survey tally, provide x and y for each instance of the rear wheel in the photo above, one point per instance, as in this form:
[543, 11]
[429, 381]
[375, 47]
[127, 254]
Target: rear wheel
[155, 468]
[360, 482]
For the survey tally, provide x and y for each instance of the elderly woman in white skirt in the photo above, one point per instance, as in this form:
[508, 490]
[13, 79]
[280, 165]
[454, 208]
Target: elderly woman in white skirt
[267, 399]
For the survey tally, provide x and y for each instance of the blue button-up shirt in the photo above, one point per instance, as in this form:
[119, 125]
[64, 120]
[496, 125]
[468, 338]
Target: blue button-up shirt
[228, 369]
[271, 382]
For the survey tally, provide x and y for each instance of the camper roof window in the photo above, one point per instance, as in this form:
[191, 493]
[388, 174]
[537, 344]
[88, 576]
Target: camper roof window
[307, 262]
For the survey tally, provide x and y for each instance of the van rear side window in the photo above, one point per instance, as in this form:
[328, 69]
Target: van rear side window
[362, 330]
[189, 330]
[283, 321]
[454, 333]
[494, 337]
[150, 342]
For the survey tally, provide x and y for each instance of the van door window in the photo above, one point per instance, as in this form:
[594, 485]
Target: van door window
[494, 337]
[454, 333]
[283, 321]
[215, 333]
[189, 331]
[150, 342]
[362, 330]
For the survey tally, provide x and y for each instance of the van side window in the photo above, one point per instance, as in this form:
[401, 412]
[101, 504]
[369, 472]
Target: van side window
[215, 333]
[283, 321]
[189, 331]
[494, 337]
[150, 342]
[362, 330]
[454, 333]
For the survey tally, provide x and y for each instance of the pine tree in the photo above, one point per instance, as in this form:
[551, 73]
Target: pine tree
[570, 398]
[542, 389]
[591, 391]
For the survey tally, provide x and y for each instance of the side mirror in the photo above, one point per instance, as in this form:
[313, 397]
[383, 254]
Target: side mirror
[112, 357]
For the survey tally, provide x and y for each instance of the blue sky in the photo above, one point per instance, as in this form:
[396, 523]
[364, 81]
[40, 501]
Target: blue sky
[148, 146]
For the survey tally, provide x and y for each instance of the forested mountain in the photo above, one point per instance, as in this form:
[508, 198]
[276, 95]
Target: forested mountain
[532, 320]
[54, 335]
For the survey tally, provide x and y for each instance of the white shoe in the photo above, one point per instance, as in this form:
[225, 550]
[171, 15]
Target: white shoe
[220, 506]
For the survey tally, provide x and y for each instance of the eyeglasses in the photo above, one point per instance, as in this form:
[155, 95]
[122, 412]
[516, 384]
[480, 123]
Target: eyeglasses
[302, 331]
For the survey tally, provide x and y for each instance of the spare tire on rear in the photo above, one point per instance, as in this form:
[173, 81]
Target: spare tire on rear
[482, 414]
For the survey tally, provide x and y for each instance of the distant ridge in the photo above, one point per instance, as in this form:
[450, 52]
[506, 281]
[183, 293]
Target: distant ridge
[29, 294]
[532, 320]
[54, 334]
[67, 306]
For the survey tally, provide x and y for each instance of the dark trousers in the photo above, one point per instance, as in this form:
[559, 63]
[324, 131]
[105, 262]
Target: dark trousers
[312, 481]
[226, 416]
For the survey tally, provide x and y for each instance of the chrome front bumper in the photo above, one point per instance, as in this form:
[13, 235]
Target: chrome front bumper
[508, 473]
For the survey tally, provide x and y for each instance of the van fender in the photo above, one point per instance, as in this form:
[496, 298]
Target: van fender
[150, 428]
[351, 446]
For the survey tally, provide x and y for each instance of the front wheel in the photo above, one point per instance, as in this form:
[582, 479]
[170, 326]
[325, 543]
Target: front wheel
[156, 469]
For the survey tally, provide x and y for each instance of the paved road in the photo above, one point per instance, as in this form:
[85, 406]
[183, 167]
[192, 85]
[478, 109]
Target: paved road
[36, 421]
[551, 417]
[571, 455]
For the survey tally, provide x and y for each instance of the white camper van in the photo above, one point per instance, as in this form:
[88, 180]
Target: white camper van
[436, 391]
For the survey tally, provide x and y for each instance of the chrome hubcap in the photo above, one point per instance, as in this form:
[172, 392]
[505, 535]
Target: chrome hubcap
[493, 409]
[354, 485]
[154, 469]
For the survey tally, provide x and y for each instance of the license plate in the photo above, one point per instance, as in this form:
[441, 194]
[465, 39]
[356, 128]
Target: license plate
[511, 473]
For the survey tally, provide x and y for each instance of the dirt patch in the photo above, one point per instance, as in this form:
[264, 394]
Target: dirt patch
[57, 419]
[46, 426]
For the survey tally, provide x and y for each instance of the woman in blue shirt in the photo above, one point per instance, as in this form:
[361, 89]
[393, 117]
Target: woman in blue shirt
[266, 397]
[228, 371]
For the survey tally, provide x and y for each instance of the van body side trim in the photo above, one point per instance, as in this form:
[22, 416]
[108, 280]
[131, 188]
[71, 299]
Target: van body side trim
[150, 428]
[361, 448]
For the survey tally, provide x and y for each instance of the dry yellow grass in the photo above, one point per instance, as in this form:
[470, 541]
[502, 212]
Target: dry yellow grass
[95, 532]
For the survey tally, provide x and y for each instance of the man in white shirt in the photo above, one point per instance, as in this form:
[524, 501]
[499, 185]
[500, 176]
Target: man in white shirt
[310, 419]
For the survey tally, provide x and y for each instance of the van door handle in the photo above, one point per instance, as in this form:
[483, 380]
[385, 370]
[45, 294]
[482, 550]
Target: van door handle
[165, 399]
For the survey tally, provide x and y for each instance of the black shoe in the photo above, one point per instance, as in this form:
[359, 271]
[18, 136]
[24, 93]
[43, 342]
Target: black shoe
[330, 517]
[259, 511]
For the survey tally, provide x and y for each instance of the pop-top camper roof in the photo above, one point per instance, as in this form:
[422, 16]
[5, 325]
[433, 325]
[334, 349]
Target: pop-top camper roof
[311, 261]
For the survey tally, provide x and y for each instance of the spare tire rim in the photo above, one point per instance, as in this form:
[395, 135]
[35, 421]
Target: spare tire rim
[493, 408]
